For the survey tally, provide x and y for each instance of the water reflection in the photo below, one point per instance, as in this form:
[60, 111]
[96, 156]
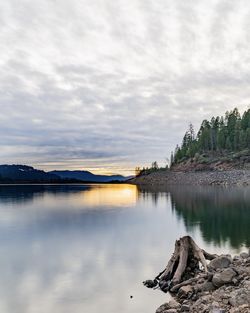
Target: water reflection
[87, 248]
[26, 193]
[91, 195]
[63, 252]
[221, 214]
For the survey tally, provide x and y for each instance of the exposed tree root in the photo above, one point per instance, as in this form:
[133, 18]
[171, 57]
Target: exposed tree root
[182, 266]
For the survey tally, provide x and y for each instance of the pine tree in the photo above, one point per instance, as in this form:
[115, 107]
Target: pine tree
[229, 133]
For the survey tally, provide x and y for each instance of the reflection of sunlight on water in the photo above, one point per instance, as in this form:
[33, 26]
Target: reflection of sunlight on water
[108, 195]
[63, 250]
[78, 198]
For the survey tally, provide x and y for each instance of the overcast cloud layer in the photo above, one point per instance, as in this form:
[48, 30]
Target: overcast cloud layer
[108, 85]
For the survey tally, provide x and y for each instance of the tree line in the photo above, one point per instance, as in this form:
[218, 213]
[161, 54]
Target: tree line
[229, 133]
[147, 170]
[221, 135]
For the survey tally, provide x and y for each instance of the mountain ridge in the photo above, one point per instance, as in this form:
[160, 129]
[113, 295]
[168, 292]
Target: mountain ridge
[88, 176]
[17, 173]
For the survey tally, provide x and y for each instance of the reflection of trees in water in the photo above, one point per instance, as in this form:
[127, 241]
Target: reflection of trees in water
[222, 214]
[26, 193]
[152, 194]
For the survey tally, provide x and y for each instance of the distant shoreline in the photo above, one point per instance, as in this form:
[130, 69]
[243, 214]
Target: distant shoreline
[60, 184]
[233, 177]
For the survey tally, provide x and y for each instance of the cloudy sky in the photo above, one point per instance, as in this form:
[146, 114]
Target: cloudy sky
[106, 85]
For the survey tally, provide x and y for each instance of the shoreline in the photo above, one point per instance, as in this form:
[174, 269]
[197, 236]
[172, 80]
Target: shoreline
[232, 177]
[226, 288]
[220, 285]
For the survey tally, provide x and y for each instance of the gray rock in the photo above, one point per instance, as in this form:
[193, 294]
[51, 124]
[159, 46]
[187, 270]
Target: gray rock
[222, 261]
[244, 255]
[207, 286]
[240, 297]
[173, 304]
[166, 310]
[185, 308]
[241, 309]
[185, 291]
[236, 258]
[163, 308]
[224, 277]
[170, 307]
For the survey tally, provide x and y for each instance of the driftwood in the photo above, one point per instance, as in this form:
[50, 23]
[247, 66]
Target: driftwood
[182, 266]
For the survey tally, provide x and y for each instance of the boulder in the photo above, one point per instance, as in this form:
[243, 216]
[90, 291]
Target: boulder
[207, 286]
[244, 255]
[222, 261]
[224, 277]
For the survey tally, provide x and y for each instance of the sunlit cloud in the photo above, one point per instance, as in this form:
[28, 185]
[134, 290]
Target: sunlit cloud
[114, 84]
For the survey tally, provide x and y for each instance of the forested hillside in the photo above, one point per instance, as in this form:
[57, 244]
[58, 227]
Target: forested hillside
[219, 136]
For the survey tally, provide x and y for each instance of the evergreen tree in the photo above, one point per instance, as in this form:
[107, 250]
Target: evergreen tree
[229, 133]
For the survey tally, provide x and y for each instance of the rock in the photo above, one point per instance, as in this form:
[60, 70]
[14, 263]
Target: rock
[240, 309]
[170, 307]
[162, 310]
[241, 296]
[164, 307]
[244, 255]
[222, 261]
[207, 286]
[150, 283]
[236, 258]
[173, 304]
[185, 308]
[225, 289]
[224, 277]
[235, 281]
[185, 292]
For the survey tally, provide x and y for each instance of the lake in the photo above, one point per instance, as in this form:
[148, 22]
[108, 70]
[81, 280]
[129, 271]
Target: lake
[87, 248]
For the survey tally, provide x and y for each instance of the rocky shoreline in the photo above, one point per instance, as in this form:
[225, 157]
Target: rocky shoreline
[231, 177]
[226, 288]
[219, 286]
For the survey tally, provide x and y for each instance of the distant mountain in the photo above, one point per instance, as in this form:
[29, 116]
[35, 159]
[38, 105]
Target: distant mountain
[88, 176]
[27, 174]
[24, 173]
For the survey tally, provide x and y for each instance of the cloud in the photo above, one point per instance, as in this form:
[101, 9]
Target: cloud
[116, 83]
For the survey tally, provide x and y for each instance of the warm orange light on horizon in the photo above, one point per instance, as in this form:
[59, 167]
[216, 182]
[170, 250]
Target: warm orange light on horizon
[109, 170]
[105, 195]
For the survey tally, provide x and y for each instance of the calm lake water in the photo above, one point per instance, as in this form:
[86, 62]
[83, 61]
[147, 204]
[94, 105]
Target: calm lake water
[87, 248]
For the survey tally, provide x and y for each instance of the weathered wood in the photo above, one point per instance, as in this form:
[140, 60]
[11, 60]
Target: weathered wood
[209, 256]
[184, 248]
[198, 254]
[181, 266]
[187, 282]
[168, 272]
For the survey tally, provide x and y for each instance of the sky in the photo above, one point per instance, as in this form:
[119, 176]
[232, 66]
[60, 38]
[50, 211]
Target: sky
[107, 85]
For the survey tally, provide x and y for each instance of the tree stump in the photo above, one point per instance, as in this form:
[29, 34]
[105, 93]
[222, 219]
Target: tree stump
[182, 266]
